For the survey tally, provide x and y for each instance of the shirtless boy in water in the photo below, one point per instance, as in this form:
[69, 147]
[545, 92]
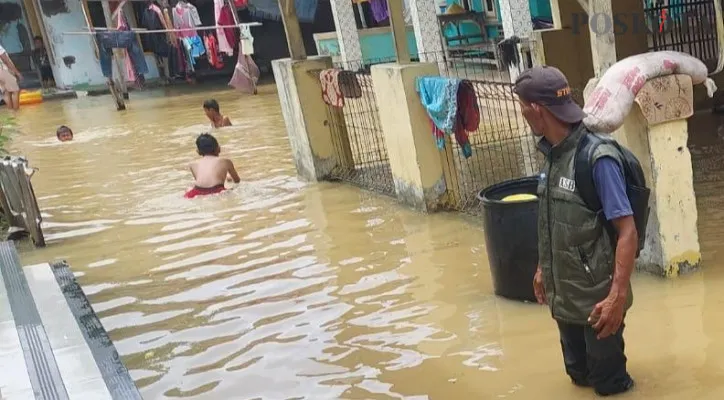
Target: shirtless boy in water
[210, 171]
[211, 108]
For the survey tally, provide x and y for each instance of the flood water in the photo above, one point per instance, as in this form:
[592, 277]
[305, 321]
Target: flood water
[280, 289]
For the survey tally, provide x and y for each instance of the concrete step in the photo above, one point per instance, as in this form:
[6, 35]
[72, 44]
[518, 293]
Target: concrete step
[52, 338]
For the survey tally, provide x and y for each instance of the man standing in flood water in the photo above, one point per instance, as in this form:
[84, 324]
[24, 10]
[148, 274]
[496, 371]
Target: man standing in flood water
[583, 275]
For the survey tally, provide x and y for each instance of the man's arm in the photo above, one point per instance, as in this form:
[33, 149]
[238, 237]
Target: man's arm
[625, 255]
[232, 171]
[611, 189]
[227, 121]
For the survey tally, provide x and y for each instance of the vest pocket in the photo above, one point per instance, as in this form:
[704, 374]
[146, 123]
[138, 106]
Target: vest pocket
[586, 265]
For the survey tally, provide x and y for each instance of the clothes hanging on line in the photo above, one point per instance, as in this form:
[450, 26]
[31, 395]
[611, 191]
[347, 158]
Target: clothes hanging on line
[468, 116]
[439, 97]
[246, 74]
[379, 10]
[109, 40]
[152, 19]
[122, 24]
[269, 9]
[247, 41]
[212, 51]
[169, 23]
[452, 107]
[224, 45]
[194, 48]
[331, 92]
[156, 9]
[508, 51]
[337, 85]
[178, 61]
[193, 11]
[226, 18]
[185, 17]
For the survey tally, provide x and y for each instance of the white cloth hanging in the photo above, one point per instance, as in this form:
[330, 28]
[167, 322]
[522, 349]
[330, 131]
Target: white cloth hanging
[247, 40]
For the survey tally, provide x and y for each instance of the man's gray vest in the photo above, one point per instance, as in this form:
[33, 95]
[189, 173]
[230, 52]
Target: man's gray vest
[575, 252]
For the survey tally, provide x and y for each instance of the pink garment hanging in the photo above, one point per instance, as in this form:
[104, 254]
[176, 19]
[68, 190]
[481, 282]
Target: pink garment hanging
[224, 45]
[123, 26]
[246, 74]
[182, 20]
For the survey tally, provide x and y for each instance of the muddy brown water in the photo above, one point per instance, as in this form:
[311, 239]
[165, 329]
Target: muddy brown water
[280, 289]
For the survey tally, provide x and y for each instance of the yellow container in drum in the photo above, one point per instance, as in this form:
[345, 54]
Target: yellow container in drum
[519, 197]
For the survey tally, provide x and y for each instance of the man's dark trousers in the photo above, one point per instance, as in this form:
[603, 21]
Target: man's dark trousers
[592, 362]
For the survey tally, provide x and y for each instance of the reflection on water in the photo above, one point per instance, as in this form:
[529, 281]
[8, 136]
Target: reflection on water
[284, 290]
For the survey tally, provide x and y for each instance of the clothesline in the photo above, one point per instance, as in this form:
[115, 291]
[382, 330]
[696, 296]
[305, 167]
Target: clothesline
[141, 30]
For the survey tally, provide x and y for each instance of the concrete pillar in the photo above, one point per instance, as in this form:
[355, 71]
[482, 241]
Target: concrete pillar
[346, 27]
[574, 59]
[415, 160]
[310, 136]
[615, 39]
[603, 40]
[658, 136]
[516, 22]
[427, 30]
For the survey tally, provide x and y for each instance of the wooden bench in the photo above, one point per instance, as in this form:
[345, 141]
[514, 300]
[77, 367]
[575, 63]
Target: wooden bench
[470, 42]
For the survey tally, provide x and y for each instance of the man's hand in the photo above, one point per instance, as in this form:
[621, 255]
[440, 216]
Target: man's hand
[19, 76]
[607, 315]
[538, 289]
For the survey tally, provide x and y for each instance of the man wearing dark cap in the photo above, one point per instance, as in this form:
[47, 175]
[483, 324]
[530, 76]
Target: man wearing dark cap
[583, 275]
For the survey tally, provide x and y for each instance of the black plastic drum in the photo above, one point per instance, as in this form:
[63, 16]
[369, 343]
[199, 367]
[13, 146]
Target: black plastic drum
[511, 235]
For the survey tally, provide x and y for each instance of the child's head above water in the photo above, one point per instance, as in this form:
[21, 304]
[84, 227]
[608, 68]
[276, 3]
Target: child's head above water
[206, 145]
[64, 134]
[211, 108]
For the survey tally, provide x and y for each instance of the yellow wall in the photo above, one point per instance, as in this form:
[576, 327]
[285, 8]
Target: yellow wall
[414, 158]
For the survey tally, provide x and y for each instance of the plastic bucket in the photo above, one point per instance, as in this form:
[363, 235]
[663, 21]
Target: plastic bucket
[511, 237]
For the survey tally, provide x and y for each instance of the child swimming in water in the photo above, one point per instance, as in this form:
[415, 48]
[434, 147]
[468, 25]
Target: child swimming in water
[64, 134]
[211, 171]
[211, 108]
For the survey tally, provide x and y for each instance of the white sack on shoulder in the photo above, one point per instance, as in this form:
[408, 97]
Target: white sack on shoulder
[613, 96]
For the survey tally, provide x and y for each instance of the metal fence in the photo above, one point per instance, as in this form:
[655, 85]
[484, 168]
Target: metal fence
[502, 146]
[688, 26]
[358, 138]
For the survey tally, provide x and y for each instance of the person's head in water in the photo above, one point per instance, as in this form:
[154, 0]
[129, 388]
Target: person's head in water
[38, 42]
[64, 134]
[206, 145]
[211, 108]
[546, 102]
